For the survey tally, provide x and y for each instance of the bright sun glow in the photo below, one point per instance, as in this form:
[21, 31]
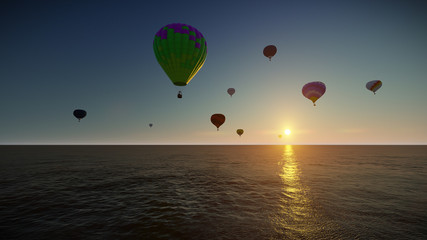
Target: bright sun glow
[287, 131]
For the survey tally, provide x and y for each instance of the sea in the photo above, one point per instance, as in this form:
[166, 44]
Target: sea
[213, 192]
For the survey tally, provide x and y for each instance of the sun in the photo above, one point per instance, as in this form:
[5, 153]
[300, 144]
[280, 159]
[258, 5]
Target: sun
[287, 131]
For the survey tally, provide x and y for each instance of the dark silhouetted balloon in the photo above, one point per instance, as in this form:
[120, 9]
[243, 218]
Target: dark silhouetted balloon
[270, 51]
[150, 124]
[313, 91]
[79, 114]
[217, 119]
[240, 132]
[231, 91]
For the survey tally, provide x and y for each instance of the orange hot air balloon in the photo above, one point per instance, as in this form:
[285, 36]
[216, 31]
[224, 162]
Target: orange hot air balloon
[217, 119]
[270, 51]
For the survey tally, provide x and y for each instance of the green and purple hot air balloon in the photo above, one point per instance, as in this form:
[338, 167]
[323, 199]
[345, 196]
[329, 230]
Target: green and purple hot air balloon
[181, 51]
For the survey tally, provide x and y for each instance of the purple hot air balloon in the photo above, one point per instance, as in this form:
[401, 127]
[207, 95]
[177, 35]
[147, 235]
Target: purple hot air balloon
[313, 91]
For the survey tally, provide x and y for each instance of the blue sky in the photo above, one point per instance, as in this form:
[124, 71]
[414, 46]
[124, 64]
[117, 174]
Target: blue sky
[57, 56]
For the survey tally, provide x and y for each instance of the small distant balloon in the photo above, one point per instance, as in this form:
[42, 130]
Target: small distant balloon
[231, 91]
[240, 132]
[280, 136]
[151, 125]
[313, 91]
[374, 85]
[270, 51]
[217, 119]
[79, 114]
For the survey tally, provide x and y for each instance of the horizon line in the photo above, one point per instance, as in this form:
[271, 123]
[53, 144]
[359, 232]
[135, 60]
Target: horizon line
[211, 144]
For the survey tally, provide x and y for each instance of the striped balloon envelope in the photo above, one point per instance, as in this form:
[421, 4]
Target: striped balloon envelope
[374, 85]
[313, 91]
[181, 51]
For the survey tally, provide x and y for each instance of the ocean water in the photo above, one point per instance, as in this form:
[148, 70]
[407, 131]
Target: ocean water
[213, 192]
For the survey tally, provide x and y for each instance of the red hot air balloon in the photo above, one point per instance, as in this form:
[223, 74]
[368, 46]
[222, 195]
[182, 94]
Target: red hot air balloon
[270, 51]
[217, 119]
[231, 91]
[313, 91]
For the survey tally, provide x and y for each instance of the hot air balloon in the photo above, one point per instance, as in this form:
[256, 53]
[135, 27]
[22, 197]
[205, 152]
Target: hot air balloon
[280, 136]
[231, 91]
[181, 51]
[79, 114]
[374, 85]
[313, 91]
[270, 51]
[150, 124]
[217, 119]
[239, 132]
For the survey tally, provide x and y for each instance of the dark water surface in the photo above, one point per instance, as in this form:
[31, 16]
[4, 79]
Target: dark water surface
[213, 192]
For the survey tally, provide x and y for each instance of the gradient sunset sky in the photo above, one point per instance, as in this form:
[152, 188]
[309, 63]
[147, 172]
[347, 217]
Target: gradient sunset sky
[56, 56]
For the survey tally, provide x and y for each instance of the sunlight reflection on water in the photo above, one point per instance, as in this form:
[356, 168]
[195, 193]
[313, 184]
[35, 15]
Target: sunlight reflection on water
[297, 217]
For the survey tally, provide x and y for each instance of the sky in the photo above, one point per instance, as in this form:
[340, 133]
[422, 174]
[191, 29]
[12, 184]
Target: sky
[57, 56]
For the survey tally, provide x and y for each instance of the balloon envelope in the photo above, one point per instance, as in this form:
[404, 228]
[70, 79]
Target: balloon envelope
[239, 132]
[150, 124]
[374, 85]
[181, 51]
[79, 114]
[313, 91]
[231, 91]
[217, 119]
[270, 51]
